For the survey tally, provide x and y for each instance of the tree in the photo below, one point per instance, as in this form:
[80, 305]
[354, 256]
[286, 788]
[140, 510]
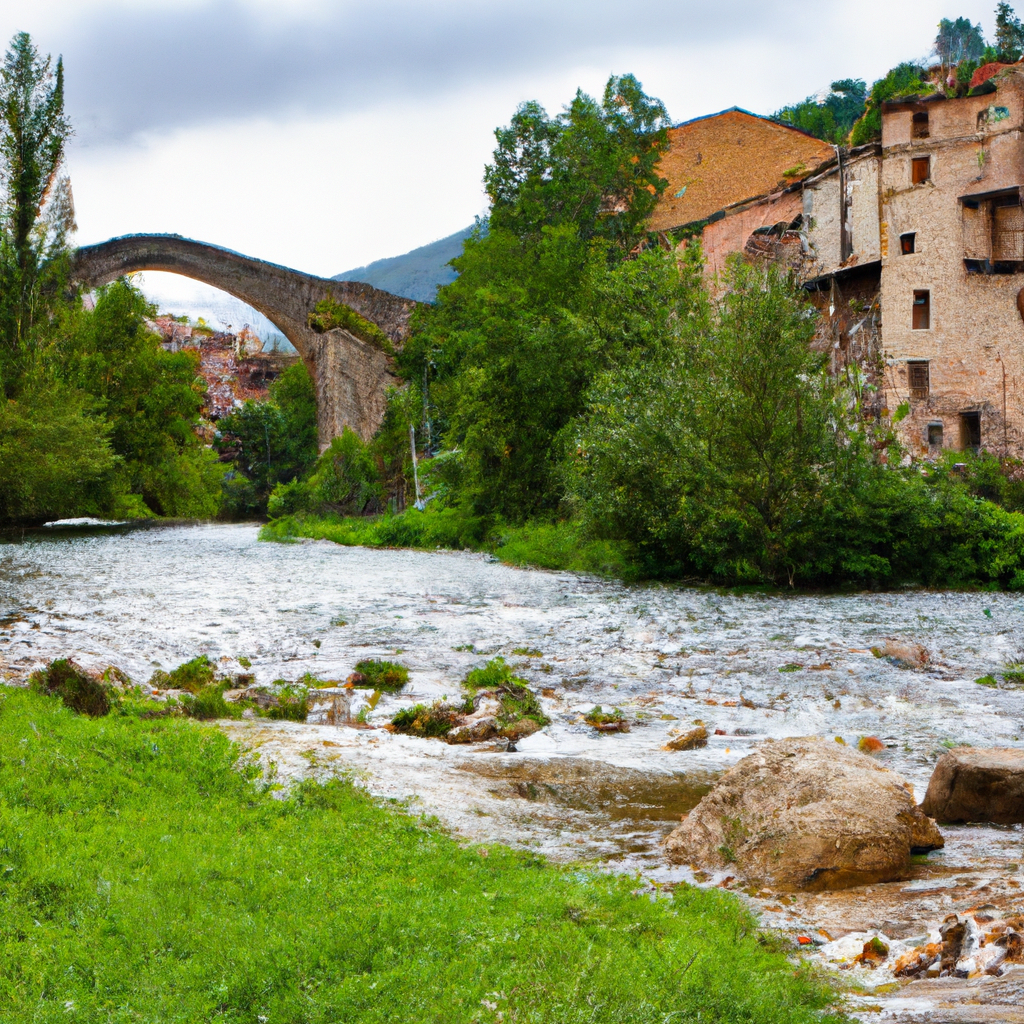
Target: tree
[831, 119]
[1009, 34]
[593, 166]
[36, 209]
[958, 41]
[903, 80]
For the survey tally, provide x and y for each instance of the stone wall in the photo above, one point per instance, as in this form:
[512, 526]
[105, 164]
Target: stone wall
[974, 342]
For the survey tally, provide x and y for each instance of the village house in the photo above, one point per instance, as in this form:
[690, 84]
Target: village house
[913, 249]
[952, 238]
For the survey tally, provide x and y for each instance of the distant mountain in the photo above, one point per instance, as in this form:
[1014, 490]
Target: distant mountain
[417, 274]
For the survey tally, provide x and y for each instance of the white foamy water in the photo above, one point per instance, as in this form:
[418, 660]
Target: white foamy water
[749, 667]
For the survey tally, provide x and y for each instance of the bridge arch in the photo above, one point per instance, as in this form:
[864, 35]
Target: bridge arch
[351, 374]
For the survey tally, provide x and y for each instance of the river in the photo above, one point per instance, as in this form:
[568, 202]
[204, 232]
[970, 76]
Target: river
[749, 667]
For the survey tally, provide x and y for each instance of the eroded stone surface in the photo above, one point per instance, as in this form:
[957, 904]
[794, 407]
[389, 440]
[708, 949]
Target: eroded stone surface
[970, 784]
[806, 814]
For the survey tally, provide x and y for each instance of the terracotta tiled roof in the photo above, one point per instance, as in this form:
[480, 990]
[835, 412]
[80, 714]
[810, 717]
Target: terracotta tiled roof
[985, 72]
[715, 161]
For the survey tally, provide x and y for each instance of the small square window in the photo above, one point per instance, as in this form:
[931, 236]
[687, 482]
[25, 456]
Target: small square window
[919, 125]
[934, 435]
[922, 319]
[920, 169]
[917, 378]
[908, 243]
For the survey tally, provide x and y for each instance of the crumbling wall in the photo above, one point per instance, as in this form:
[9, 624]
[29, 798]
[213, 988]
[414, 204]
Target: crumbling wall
[730, 233]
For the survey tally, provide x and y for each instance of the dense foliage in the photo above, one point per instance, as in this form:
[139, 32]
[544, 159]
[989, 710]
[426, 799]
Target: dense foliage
[144, 877]
[831, 118]
[269, 442]
[96, 418]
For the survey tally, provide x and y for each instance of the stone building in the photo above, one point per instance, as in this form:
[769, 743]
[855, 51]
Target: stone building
[952, 248]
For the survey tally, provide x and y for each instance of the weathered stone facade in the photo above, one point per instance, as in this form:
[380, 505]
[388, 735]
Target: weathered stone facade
[953, 268]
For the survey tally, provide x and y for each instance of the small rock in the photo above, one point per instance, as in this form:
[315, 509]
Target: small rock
[875, 951]
[477, 731]
[689, 741]
[870, 745]
[906, 655]
[969, 784]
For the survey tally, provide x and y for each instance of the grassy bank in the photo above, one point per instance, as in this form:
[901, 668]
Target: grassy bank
[144, 878]
[546, 545]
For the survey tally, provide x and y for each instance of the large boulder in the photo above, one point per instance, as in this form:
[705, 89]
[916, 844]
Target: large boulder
[806, 814]
[977, 785]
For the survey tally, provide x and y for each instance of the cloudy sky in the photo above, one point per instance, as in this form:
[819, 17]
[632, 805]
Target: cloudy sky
[323, 134]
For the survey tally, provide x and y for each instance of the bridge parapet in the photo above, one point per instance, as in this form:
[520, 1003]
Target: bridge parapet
[351, 375]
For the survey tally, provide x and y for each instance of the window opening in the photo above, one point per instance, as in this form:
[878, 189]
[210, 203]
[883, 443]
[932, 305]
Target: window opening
[970, 430]
[934, 435]
[919, 125]
[920, 169]
[922, 311]
[994, 234]
[908, 243]
[917, 378]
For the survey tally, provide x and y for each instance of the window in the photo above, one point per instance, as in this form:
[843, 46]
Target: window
[994, 234]
[970, 430]
[920, 169]
[934, 435]
[922, 311]
[919, 127]
[917, 378]
[908, 243]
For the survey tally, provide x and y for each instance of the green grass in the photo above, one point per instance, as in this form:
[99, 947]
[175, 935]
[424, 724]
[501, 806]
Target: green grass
[388, 676]
[544, 545]
[143, 878]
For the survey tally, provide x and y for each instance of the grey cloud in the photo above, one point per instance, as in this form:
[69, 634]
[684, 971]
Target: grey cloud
[135, 71]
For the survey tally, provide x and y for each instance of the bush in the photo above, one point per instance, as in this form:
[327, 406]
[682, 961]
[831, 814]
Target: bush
[77, 689]
[382, 675]
[193, 676]
[429, 721]
[345, 481]
[208, 703]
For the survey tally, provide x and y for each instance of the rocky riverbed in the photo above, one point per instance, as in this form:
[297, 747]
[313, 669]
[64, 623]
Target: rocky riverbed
[746, 667]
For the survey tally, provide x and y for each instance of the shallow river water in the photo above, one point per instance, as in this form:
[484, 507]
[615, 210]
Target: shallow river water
[747, 666]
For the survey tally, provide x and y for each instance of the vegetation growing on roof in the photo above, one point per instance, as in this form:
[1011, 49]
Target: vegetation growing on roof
[330, 314]
[902, 81]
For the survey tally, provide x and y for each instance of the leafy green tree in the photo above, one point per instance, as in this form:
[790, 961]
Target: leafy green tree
[36, 210]
[1009, 34]
[269, 443]
[593, 166]
[55, 457]
[958, 41]
[831, 119]
[152, 400]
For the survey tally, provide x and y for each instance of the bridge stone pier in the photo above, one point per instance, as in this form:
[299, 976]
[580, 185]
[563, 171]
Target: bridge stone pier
[351, 375]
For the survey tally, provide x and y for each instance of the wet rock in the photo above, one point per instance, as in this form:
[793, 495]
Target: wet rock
[977, 785]
[917, 961]
[906, 655]
[476, 731]
[870, 745]
[806, 814]
[329, 706]
[875, 952]
[690, 740]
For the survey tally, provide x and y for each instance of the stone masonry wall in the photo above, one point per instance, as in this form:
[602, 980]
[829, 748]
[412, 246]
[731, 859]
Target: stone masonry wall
[974, 343]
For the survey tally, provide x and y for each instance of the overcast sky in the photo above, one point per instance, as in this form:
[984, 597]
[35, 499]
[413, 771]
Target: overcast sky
[324, 134]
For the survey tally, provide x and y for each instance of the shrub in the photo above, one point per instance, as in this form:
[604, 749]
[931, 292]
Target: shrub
[192, 676]
[208, 703]
[429, 721]
[382, 675]
[77, 689]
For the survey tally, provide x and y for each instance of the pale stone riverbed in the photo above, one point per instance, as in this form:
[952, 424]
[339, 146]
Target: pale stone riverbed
[749, 666]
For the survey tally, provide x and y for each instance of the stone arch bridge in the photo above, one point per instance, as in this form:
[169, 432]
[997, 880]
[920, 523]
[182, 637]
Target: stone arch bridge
[351, 373]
